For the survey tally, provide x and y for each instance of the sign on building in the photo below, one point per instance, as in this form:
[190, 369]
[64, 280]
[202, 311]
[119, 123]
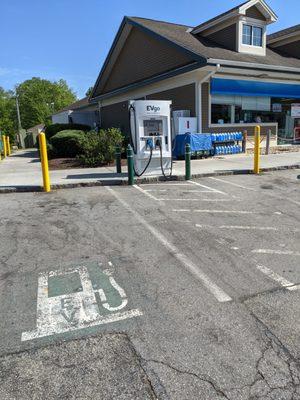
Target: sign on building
[295, 111]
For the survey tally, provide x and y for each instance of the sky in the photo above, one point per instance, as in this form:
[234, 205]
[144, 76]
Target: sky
[69, 39]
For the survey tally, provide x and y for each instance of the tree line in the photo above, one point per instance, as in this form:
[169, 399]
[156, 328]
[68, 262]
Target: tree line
[38, 99]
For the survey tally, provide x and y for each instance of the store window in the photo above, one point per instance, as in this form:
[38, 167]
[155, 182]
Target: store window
[221, 114]
[235, 109]
[252, 35]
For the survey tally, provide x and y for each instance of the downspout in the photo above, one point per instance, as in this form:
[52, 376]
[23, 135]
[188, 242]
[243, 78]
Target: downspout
[199, 94]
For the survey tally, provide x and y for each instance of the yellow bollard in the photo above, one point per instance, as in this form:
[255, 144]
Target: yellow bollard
[4, 146]
[8, 149]
[44, 162]
[257, 150]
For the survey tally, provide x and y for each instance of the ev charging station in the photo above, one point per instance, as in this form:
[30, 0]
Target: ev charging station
[150, 123]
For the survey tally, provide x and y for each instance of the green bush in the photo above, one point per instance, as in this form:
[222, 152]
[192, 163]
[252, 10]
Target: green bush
[53, 129]
[67, 143]
[98, 148]
[51, 151]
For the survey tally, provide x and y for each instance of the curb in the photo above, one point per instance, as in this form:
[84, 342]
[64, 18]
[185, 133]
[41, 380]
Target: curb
[154, 179]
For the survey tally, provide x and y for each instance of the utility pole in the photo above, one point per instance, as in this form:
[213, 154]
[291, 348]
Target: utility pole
[19, 135]
[18, 114]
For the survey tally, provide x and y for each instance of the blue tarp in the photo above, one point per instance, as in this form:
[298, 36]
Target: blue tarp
[254, 88]
[197, 141]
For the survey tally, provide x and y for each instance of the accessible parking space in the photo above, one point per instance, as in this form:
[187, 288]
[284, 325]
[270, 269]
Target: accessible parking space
[183, 277]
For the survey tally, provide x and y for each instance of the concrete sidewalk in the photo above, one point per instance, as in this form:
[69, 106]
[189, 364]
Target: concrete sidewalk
[22, 170]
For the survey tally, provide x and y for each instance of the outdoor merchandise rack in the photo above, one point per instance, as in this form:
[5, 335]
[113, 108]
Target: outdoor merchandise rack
[227, 143]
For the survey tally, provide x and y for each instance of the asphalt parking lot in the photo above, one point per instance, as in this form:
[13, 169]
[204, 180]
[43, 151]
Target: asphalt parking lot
[176, 290]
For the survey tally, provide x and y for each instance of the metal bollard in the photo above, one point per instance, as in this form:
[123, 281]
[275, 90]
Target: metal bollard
[244, 142]
[118, 160]
[4, 146]
[8, 149]
[44, 161]
[130, 165]
[268, 141]
[256, 150]
[187, 162]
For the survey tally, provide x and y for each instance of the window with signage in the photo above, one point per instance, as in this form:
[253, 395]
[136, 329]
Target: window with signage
[252, 35]
[232, 109]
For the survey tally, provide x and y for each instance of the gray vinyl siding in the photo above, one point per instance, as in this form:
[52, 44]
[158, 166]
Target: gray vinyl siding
[116, 116]
[291, 49]
[143, 57]
[225, 37]
[253, 12]
[183, 98]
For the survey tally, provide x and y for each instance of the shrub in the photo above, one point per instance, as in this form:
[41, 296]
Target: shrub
[51, 151]
[53, 129]
[67, 143]
[98, 148]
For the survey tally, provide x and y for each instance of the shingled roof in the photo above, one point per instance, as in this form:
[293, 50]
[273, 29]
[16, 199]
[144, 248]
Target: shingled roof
[220, 15]
[74, 106]
[284, 32]
[202, 47]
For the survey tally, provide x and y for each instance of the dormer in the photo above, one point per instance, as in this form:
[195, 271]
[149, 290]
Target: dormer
[242, 29]
[286, 41]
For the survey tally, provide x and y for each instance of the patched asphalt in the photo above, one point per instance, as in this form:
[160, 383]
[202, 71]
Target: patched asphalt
[170, 247]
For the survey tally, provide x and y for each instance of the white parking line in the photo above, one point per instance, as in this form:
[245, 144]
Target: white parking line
[167, 184]
[146, 193]
[276, 277]
[199, 199]
[216, 211]
[293, 288]
[155, 190]
[208, 187]
[255, 190]
[239, 227]
[218, 293]
[200, 191]
[231, 183]
[279, 252]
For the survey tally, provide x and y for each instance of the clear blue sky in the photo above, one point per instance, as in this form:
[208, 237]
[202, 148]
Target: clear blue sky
[70, 39]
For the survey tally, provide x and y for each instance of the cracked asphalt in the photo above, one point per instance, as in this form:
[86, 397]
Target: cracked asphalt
[210, 273]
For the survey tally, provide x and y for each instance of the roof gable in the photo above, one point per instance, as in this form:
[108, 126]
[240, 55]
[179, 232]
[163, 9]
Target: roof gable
[258, 8]
[285, 33]
[181, 34]
[139, 54]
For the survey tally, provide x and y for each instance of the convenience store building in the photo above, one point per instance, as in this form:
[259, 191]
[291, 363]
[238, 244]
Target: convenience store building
[227, 71]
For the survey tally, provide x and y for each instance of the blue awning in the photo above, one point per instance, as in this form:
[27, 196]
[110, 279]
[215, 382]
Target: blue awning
[254, 88]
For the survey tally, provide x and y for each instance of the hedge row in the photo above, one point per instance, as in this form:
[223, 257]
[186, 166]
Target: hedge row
[92, 148]
[53, 129]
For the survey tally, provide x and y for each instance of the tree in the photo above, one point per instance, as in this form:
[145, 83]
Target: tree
[40, 98]
[8, 116]
[89, 91]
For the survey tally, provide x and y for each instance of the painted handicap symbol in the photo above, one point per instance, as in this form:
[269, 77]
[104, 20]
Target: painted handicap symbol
[94, 300]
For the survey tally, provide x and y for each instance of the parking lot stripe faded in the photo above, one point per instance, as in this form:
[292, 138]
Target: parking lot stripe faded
[278, 252]
[216, 211]
[239, 227]
[214, 289]
[208, 187]
[146, 193]
[254, 190]
[199, 199]
[276, 277]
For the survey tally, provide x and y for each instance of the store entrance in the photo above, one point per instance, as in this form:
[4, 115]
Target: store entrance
[284, 112]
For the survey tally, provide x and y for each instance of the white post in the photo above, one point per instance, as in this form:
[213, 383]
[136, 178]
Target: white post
[198, 94]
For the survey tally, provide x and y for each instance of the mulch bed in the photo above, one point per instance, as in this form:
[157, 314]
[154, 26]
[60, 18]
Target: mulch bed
[67, 163]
